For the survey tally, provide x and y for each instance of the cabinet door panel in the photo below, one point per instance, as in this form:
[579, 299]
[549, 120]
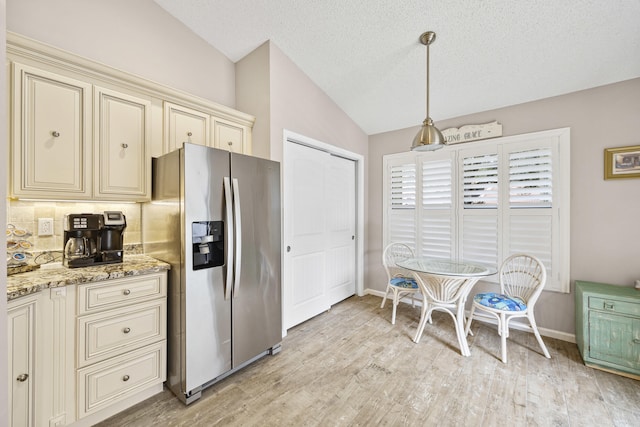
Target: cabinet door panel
[122, 129]
[230, 136]
[51, 143]
[184, 124]
[611, 339]
[20, 322]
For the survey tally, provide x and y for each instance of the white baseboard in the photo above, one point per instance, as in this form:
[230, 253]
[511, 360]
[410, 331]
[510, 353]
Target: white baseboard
[551, 333]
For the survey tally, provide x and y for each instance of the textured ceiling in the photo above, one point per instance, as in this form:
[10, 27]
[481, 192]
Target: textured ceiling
[365, 54]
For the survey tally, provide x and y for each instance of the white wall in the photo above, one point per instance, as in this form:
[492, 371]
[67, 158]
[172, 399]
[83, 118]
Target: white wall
[136, 36]
[605, 231]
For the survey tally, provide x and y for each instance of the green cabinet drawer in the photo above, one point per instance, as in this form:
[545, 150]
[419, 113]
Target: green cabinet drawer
[614, 306]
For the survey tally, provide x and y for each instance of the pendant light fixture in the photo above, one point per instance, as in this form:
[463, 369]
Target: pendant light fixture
[429, 138]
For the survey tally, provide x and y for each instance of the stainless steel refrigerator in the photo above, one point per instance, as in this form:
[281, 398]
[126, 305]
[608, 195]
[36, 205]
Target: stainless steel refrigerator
[215, 217]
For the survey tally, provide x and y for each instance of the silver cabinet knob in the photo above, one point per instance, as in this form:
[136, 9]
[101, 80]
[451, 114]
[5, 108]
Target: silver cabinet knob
[126, 292]
[189, 134]
[55, 134]
[288, 248]
[22, 377]
[230, 143]
[126, 330]
[125, 378]
[123, 145]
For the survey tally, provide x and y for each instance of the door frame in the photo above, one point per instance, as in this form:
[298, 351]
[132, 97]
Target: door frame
[295, 138]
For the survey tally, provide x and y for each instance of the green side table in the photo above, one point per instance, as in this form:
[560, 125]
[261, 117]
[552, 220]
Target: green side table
[608, 327]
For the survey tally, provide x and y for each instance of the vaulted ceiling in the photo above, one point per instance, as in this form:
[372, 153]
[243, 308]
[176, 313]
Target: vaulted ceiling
[366, 54]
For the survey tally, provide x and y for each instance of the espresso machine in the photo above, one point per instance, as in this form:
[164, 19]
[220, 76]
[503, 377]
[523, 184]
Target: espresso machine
[92, 239]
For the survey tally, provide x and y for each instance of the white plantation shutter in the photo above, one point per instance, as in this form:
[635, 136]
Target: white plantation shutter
[480, 181]
[480, 239]
[480, 189]
[483, 201]
[403, 186]
[401, 205]
[437, 221]
[531, 215]
[530, 179]
[531, 234]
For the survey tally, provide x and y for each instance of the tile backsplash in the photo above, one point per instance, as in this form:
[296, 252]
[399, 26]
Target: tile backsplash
[25, 214]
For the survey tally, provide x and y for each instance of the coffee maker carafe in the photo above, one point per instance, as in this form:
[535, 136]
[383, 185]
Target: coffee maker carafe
[91, 239]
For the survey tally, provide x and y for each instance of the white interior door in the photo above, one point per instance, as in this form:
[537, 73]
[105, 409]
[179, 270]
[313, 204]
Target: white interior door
[319, 231]
[305, 241]
[341, 228]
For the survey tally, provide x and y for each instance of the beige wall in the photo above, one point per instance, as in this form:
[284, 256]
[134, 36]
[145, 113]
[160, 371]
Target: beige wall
[253, 96]
[272, 88]
[605, 235]
[136, 36]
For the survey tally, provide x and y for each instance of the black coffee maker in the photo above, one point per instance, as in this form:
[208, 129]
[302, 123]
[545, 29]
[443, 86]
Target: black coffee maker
[91, 239]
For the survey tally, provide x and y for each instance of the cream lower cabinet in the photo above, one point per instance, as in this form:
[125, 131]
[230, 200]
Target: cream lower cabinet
[120, 344]
[73, 140]
[80, 354]
[20, 352]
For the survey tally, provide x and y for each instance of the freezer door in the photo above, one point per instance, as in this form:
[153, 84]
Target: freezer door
[256, 301]
[205, 312]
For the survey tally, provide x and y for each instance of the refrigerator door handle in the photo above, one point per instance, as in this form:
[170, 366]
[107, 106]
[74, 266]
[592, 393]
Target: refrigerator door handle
[228, 237]
[238, 236]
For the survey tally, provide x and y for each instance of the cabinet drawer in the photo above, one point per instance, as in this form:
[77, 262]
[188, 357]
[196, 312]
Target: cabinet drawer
[119, 378]
[114, 293]
[114, 332]
[614, 306]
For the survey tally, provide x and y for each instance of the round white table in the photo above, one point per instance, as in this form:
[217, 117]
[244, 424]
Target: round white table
[445, 286]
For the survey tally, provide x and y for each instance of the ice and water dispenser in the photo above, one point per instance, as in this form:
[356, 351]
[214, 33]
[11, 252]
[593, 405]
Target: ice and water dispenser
[207, 238]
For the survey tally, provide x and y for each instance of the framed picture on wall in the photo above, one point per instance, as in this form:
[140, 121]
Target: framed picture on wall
[622, 162]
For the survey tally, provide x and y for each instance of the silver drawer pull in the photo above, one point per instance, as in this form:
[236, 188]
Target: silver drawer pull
[126, 330]
[125, 378]
[124, 145]
[608, 306]
[22, 377]
[126, 292]
[55, 133]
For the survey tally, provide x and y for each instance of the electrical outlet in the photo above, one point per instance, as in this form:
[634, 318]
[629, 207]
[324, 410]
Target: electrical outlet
[45, 226]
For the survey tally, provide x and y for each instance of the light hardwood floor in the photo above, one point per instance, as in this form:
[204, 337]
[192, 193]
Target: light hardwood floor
[351, 367]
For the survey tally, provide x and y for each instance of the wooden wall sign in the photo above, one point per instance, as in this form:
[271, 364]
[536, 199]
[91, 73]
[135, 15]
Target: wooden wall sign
[469, 133]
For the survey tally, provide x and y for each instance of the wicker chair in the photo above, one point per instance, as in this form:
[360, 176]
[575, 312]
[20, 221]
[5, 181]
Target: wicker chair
[522, 278]
[400, 281]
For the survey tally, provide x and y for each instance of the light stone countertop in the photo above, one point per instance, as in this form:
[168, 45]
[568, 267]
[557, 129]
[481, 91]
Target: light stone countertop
[34, 281]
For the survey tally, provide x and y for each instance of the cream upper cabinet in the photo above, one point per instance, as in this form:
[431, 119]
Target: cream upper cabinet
[231, 136]
[21, 334]
[51, 135]
[121, 134]
[183, 124]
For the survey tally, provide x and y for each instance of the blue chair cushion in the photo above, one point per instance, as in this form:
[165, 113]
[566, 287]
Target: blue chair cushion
[404, 282]
[500, 302]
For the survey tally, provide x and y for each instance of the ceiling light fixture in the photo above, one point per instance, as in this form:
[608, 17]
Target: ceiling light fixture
[429, 138]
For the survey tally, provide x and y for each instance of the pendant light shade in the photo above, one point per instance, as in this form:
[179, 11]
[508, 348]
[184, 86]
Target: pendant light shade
[429, 138]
